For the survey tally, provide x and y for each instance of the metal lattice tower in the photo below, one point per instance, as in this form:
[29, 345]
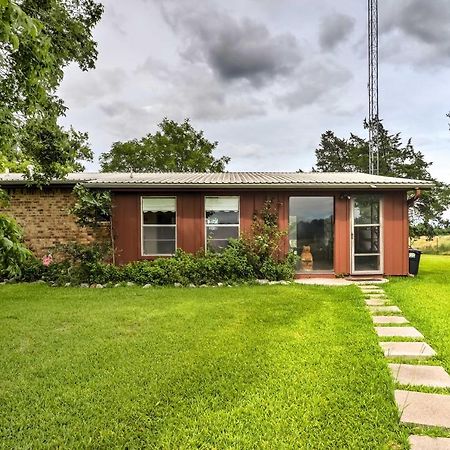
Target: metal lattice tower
[372, 32]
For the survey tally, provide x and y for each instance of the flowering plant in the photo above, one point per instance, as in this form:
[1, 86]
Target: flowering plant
[47, 260]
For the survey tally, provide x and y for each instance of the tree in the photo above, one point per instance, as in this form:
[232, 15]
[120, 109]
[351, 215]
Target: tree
[37, 40]
[175, 147]
[397, 159]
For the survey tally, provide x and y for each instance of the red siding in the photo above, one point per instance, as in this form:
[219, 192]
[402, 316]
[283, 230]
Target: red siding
[341, 236]
[395, 212]
[126, 226]
[190, 222]
[191, 225]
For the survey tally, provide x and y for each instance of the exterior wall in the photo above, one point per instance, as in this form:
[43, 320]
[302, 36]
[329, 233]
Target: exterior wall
[44, 216]
[45, 219]
[342, 252]
[396, 233]
[190, 218]
[191, 223]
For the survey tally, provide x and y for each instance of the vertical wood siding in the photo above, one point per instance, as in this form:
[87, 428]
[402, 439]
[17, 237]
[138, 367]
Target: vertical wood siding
[341, 236]
[396, 234]
[191, 223]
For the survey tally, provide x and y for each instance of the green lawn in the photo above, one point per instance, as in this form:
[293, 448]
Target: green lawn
[425, 301]
[275, 367]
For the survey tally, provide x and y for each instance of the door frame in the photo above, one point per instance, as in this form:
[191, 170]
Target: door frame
[352, 238]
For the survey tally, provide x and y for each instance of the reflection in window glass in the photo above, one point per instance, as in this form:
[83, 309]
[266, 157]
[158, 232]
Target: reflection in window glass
[367, 239]
[367, 263]
[222, 221]
[311, 232]
[366, 209]
[158, 226]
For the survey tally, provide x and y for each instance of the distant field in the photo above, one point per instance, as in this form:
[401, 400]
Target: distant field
[440, 245]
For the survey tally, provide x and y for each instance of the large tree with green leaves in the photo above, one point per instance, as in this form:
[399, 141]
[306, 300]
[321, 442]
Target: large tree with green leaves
[38, 39]
[175, 147]
[397, 159]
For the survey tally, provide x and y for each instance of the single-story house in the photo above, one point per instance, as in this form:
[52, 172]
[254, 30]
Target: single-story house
[343, 223]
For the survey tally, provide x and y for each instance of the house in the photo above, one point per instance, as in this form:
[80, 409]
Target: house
[353, 223]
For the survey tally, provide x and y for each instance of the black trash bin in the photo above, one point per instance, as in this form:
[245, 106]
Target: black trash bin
[414, 260]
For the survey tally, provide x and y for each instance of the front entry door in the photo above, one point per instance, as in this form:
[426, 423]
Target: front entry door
[367, 235]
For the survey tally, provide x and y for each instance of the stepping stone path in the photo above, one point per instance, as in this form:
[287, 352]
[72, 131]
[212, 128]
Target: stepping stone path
[429, 443]
[407, 332]
[375, 302]
[407, 350]
[415, 374]
[380, 320]
[377, 309]
[423, 409]
[416, 408]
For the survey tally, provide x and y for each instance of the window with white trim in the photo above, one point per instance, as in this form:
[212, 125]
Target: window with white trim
[222, 221]
[159, 227]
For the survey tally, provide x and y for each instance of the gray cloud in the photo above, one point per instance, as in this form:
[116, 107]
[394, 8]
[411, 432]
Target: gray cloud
[234, 49]
[88, 87]
[417, 32]
[192, 90]
[335, 29]
[315, 81]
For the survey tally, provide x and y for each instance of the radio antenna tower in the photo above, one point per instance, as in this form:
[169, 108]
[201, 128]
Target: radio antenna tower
[372, 32]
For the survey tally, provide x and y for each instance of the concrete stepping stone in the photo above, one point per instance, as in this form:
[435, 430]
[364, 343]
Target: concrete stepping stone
[372, 291]
[407, 332]
[375, 302]
[375, 295]
[380, 320]
[429, 443]
[418, 408]
[409, 350]
[377, 309]
[431, 376]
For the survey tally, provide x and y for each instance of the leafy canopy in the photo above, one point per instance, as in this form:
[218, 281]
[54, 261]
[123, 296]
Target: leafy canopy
[175, 147]
[397, 159]
[38, 39]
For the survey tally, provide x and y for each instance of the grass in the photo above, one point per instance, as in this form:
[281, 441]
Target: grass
[437, 245]
[425, 301]
[244, 367]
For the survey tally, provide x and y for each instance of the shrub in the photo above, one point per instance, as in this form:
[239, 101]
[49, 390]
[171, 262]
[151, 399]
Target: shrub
[256, 255]
[263, 246]
[13, 253]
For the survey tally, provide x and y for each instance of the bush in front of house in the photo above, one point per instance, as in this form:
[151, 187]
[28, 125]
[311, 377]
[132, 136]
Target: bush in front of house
[256, 255]
[232, 265]
[13, 253]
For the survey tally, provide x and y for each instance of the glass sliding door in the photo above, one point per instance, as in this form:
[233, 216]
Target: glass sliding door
[366, 234]
[311, 232]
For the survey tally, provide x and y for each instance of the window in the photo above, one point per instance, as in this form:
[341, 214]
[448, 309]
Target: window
[222, 221]
[311, 232]
[158, 226]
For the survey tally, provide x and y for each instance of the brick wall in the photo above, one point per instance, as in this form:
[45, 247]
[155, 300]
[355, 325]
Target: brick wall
[45, 219]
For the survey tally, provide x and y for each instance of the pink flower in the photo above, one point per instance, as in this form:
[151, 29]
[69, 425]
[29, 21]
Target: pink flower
[47, 260]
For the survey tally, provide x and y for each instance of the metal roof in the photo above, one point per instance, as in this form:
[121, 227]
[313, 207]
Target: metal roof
[317, 180]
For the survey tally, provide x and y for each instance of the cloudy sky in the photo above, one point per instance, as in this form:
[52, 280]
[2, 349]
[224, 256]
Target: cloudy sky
[265, 77]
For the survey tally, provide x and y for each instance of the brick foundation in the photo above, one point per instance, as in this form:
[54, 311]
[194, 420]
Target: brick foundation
[45, 219]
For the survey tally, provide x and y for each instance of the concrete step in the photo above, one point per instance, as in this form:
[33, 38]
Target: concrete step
[429, 443]
[408, 350]
[375, 302]
[378, 309]
[431, 376]
[389, 319]
[418, 408]
[407, 332]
